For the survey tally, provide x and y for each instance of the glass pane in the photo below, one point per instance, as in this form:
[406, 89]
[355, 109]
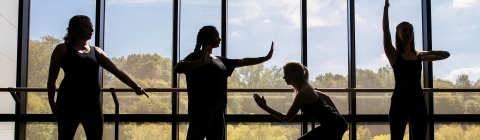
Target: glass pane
[182, 103]
[7, 130]
[144, 131]
[373, 102]
[38, 103]
[194, 15]
[266, 130]
[8, 53]
[47, 29]
[182, 130]
[252, 26]
[455, 28]
[457, 131]
[49, 131]
[130, 103]
[376, 131]
[127, 131]
[260, 131]
[243, 103]
[140, 46]
[373, 69]
[456, 103]
[327, 53]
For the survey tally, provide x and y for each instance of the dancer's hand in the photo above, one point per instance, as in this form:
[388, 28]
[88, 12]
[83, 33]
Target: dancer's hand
[270, 53]
[261, 102]
[206, 58]
[140, 91]
[55, 110]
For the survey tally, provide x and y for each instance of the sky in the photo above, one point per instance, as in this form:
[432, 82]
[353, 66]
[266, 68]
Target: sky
[145, 26]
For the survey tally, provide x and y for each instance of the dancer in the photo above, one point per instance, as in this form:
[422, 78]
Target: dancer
[206, 77]
[310, 101]
[79, 98]
[408, 101]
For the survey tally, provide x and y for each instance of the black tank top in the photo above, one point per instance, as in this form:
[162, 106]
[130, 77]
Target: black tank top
[323, 113]
[81, 75]
[407, 74]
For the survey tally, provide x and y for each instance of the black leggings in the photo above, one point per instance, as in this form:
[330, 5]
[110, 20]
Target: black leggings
[408, 109]
[70, 117]
[325, 133]
[207, 123]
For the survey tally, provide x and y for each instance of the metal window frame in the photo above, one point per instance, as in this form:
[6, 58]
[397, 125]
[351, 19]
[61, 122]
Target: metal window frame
[22, 65]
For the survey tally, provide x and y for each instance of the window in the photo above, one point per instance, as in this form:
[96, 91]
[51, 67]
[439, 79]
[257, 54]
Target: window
[47, 29]
[455, 29]
[327, 50]
[252, 26]
[138, 39]
[373, 69]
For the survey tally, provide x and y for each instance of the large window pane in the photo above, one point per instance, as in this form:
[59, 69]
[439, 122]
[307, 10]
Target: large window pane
[194, 15]
[252, 26]
[455, 28]
[328, 48]
[47, 28]
[138, 39]
[8, 54]
[373, 69]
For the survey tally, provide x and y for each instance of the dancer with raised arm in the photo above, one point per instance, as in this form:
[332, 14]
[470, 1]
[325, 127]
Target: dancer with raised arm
[408, 100]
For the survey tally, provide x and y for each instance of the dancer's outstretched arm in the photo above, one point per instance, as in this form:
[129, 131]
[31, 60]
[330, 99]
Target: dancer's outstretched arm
[253, 61]
[433, 55]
